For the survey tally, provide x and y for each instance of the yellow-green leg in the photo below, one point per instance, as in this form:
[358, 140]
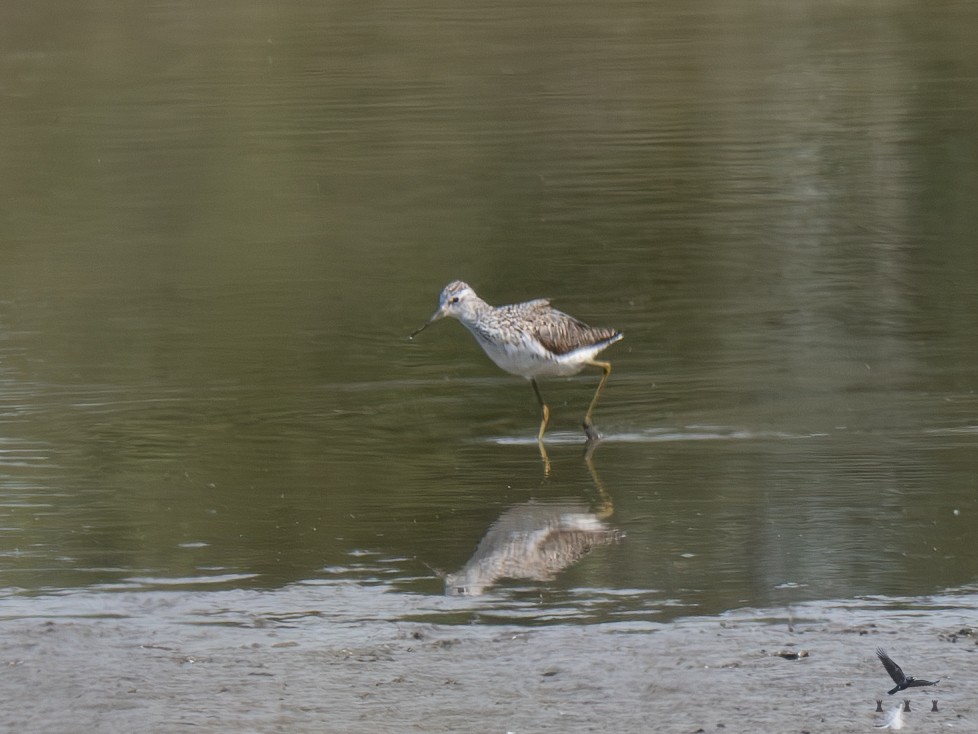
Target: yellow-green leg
[592, 435]
[545, 410]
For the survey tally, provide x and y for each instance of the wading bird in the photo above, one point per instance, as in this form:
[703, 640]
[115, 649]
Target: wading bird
[531, 340]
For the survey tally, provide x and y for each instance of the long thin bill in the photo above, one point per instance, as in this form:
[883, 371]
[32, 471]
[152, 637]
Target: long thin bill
[436, 316]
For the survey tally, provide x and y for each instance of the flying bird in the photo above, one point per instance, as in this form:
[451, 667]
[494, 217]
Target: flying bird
[896, 673]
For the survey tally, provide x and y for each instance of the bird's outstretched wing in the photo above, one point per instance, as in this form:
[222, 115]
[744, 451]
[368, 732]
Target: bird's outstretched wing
[917, 682]
[892, 668]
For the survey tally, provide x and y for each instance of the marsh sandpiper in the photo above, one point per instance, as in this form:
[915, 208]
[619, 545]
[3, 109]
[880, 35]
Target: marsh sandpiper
[530, 339]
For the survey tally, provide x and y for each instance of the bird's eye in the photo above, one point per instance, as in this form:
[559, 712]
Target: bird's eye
[454, 299]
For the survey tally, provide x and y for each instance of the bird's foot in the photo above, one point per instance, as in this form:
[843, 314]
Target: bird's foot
[591, 432]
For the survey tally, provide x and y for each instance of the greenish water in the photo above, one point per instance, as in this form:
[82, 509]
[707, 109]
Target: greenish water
[218, 225]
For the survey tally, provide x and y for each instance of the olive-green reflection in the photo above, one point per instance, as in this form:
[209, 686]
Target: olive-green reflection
[218, 225]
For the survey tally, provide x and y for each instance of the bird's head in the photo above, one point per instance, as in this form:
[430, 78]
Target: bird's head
[457, 300]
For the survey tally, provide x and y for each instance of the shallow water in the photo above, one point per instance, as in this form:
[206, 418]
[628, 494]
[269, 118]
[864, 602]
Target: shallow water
[220, 225]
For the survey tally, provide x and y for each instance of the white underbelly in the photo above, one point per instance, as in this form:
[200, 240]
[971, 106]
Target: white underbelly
[530, 361]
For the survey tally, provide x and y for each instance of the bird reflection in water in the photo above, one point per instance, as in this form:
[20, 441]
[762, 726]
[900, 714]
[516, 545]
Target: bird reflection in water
[536, 541]
[893, 719]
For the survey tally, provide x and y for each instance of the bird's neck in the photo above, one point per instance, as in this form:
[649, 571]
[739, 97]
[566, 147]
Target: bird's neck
[474, 309]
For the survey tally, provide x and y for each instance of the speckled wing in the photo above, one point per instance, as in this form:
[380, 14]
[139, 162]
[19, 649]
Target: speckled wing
[896, 673]
[560, 333]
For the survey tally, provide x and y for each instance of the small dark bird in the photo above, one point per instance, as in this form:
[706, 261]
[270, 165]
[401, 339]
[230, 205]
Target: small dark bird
[902, 681]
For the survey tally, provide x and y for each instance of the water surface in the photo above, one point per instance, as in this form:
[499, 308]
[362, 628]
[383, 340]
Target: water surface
[220, 224]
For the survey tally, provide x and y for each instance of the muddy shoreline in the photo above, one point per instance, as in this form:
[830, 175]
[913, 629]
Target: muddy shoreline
[702, 674]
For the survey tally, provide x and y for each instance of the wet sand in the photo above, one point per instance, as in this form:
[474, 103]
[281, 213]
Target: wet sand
[708, 674]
